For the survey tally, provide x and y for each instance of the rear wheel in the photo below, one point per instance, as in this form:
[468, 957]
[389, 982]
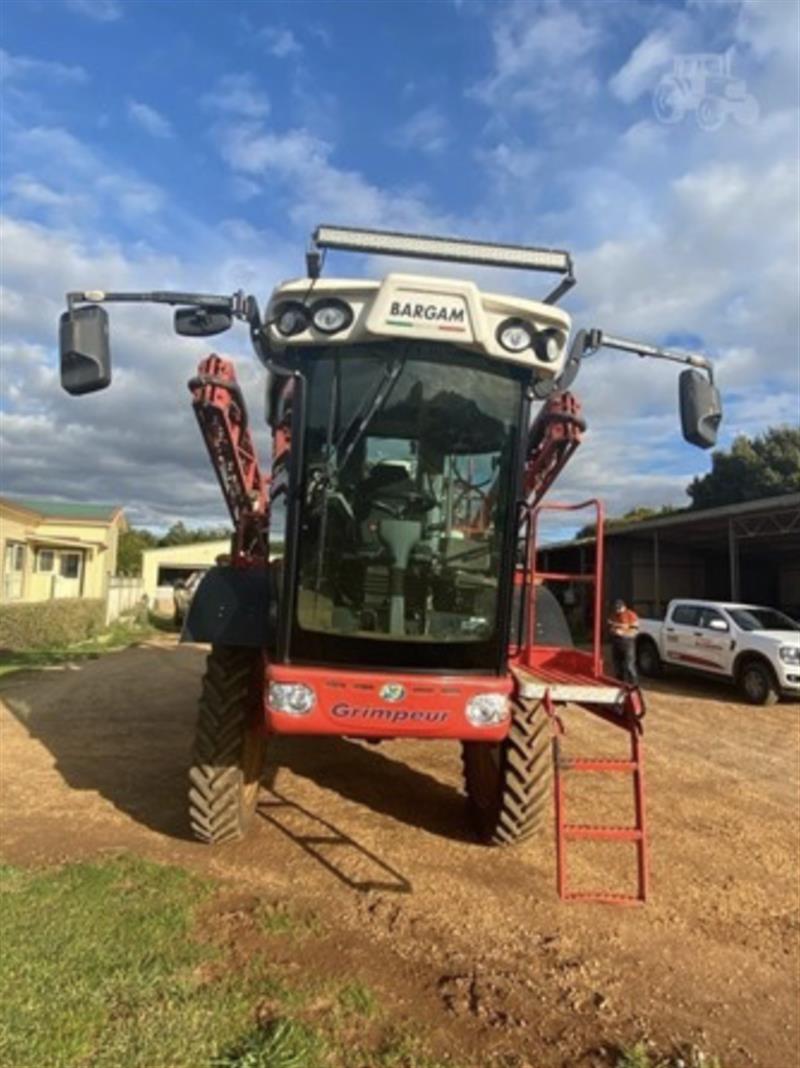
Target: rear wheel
[648, 659]
[228, 751]
[508, 783]
[757, 683]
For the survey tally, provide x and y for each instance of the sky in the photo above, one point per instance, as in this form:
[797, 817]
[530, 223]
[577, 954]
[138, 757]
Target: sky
[195, 145]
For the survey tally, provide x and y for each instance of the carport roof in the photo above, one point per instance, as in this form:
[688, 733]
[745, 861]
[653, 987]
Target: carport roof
[771, 521]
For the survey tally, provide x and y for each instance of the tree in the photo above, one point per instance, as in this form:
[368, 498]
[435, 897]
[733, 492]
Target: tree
[764, 466]
[132, 544]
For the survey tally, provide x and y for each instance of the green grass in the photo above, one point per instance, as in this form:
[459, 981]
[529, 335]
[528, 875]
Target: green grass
[106, 964]
[119, 635]
[358, 1000]
[642, 1056]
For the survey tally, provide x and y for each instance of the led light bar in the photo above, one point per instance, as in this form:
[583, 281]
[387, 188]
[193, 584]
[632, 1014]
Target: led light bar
[417, 246]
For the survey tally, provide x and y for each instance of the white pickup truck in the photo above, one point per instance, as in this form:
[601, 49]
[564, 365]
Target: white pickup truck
[756, 648]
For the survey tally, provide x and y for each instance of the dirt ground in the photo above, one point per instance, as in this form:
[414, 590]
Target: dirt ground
[471, 941]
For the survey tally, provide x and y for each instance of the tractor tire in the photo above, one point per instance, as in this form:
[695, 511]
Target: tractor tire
[509, 783]
[757, 683]
[648, 658]
[228, 752]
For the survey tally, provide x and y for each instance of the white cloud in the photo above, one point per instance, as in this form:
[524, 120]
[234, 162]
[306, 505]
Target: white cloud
[314, 187]
[83, 186]
[238, 94]
[19, 68]
[427, 130]
[541, 54]
[137, 443]
[150, 120]
[280, 42]
[98, 10]
[640, 72]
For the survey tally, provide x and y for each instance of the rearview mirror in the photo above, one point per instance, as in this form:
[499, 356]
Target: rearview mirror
[84, 350]
[202, 322]
[701, 409]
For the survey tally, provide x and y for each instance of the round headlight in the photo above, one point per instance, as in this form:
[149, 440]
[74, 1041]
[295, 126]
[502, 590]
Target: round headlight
[515, 335]
[293, 698]
[487, 709]
[547, 345]
[331, 316]
[290, 318]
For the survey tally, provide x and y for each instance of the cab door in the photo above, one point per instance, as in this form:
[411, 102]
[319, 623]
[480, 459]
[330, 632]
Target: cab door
[679, 633]
[713, 641]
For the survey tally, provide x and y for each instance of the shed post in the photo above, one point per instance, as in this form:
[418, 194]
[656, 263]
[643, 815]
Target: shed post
[733, 561]
[656, 576]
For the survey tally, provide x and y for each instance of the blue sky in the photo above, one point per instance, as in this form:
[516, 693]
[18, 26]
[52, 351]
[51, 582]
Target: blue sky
[148, 145]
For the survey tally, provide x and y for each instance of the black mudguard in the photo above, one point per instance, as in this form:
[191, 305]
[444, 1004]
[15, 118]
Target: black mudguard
[232, 606]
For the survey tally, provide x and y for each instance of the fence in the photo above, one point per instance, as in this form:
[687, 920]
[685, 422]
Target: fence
[123, 595]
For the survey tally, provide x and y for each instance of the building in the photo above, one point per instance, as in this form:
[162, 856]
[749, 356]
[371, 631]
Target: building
[56, 548]
[741, 552]
[163, 567]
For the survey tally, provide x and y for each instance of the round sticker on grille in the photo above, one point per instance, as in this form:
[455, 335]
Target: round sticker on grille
[392, 691]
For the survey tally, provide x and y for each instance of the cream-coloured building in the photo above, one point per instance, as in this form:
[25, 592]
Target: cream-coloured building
[163, 567]
[56, 548]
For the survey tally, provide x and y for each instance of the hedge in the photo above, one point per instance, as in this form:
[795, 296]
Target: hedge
[49, 624]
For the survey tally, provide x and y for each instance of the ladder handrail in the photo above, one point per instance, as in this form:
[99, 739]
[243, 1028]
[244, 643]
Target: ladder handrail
[594, 577]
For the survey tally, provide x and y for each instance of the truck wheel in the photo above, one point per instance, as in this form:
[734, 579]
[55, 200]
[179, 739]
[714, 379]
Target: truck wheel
[228, 752]
[757, 683]
[509, 783]
[648, 659]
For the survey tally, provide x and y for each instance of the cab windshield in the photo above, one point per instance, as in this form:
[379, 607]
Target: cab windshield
[408, 471]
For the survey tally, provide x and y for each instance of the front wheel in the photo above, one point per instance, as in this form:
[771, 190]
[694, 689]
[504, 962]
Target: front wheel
[757, 683]
[228, 751]
[509, 783]
[648, 659]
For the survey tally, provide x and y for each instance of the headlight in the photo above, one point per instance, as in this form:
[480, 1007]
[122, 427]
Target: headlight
[487, 709]
[293, 698]
[514, 335]
[547, 346]
[290, 318]
[331, 316]
[790, 654]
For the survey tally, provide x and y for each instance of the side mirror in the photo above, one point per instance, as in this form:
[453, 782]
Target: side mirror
[717, 624]
[701, 409]
[84, 350]
[202, 322]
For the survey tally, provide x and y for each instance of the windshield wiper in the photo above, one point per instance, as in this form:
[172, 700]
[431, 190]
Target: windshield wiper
[366, 413]
[335, 463]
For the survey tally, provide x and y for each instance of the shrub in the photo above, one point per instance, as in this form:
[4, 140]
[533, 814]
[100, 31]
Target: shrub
[47, 624]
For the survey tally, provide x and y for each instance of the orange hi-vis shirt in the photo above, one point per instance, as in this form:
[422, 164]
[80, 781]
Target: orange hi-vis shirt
[624, 624]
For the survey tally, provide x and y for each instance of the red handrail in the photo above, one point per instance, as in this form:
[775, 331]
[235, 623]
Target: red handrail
[595, 577]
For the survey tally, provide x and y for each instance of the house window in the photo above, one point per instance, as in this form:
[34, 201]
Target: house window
[45, 560]
[17, 557]
[70, 565]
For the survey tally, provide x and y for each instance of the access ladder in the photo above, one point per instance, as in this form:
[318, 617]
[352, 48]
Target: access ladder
[560, 676]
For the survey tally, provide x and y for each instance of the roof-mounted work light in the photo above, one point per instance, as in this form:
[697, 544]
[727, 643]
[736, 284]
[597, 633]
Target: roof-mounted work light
[451, 249]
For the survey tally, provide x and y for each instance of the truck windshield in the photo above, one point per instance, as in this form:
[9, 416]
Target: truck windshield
[407, 475]
[761, 619]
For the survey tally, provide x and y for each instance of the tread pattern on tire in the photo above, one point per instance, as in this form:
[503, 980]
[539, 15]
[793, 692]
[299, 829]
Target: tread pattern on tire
[523, 780]
[217, 808]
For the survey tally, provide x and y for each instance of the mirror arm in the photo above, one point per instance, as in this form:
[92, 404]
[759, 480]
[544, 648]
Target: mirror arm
[240, 306]
[597, 339]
